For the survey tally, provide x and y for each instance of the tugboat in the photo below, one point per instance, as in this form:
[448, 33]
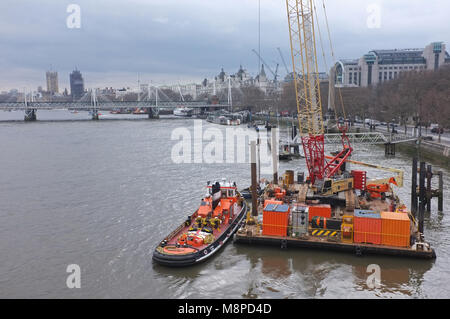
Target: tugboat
[219, 216]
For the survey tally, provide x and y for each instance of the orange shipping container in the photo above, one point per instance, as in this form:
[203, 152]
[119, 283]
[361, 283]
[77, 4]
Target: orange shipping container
[395, 229]
[367, 227]
[272, 201]
[276, 220]
[319, 210]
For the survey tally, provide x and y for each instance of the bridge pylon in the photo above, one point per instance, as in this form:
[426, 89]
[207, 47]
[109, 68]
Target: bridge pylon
[153, 113]
[95, 115]
[30, 115]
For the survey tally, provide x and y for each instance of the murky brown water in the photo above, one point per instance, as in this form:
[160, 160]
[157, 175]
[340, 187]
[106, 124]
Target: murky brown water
[103, 194]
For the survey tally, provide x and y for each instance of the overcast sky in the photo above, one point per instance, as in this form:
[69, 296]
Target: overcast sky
[179, 41]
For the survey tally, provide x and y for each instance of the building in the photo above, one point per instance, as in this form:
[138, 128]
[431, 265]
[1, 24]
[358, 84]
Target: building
[52, 82]
[76, 84]
[379, 66]
[238, 80]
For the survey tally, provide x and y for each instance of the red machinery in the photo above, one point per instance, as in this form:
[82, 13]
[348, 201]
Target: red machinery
[380, 190]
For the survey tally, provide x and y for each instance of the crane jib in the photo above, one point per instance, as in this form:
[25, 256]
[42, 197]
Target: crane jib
[302, 35]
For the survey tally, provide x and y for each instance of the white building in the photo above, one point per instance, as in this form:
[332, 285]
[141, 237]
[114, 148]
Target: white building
[238, 80]
[379, 66]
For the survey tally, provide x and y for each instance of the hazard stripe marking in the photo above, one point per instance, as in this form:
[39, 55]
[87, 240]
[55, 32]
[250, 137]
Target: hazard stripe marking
[324, 233]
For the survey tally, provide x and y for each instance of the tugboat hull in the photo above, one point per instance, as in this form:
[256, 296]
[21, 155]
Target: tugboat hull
[182, 256]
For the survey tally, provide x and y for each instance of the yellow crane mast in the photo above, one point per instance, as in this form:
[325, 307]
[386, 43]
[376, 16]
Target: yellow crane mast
[304, 60]
[301, 14]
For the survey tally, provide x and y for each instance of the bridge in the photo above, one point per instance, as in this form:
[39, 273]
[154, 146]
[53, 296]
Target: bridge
[389, 140]
[111, 105]
[153, 108]
[370, 138]
[94, 103]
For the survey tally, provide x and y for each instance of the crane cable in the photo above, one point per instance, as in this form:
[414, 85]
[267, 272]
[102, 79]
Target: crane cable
[322, 47]
[334, 58]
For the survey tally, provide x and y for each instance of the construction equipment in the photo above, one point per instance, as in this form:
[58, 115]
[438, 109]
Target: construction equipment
[275, 74]
[398, 177]
[301, 18]
[380, 190]
[335, 186]
[289, 76]
[284, 62]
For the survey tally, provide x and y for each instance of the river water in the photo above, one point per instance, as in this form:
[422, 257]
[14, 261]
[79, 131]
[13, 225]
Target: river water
[102, 194]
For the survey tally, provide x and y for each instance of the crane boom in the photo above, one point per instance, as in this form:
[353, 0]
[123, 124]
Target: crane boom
[267, 66]
[283, 60]
[304, 62]
[307, 89]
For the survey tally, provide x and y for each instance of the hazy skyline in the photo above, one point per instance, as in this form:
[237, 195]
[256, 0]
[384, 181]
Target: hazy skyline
[171, 41]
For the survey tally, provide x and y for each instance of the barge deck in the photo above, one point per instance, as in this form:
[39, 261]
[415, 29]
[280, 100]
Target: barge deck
[249, 236]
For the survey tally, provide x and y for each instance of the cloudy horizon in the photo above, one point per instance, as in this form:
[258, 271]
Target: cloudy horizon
[174, 41]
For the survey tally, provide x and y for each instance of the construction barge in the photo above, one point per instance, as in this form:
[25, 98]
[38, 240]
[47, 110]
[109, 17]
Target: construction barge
[334, 207]
[348, 213]
[290, 215]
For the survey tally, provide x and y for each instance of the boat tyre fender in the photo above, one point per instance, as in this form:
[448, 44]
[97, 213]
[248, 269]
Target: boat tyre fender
[284, 244]
[358, 251]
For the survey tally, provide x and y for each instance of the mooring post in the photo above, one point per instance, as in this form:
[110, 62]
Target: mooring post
[389, 149]
[30, 115]
[414, 187]
[153, 113]
[254, 181]
[422, 195]
[441, 192]
[275, 156]
[429, 195]
[95, 115]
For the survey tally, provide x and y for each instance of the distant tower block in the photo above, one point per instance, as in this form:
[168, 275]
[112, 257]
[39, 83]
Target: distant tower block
[76, 85]
[52, 82]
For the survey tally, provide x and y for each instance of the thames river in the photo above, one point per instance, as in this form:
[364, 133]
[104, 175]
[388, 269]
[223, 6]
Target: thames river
[102, 194]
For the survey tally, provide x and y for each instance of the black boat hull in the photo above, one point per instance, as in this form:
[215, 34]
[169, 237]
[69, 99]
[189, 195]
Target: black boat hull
[206, 253]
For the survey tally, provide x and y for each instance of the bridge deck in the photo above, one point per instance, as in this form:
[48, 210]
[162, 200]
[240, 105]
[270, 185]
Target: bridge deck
[105, 105]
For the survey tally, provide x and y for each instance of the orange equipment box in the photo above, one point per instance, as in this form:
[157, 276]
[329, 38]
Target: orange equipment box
[319, 210]
[276, 220]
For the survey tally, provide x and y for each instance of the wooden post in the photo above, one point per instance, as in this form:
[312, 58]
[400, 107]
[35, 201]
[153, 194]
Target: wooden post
[254, 181]
[414, 188]
[275, 156]
[422, 196]
[441, 192]
[429, 177]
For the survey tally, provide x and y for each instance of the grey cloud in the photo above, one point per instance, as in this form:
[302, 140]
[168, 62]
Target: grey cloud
[189, 39]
